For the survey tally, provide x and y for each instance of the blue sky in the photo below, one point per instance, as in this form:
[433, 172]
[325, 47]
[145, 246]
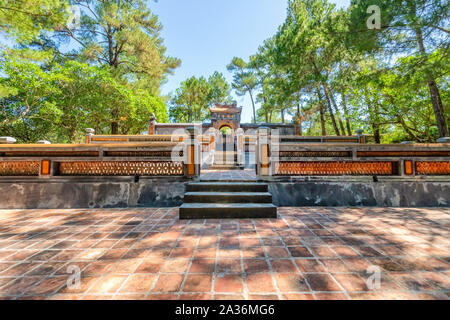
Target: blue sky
[207, 34]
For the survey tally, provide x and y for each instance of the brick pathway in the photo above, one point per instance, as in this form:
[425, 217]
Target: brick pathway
[309, 253]
[224, 175]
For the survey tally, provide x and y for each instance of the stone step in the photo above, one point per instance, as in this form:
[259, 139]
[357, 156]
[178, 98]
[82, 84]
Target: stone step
[227, 197]
[225, 167]
[227, 210]
[226, 187]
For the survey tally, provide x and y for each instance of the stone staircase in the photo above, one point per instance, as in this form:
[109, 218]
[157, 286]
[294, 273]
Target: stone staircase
[225, 160]
[227, 200]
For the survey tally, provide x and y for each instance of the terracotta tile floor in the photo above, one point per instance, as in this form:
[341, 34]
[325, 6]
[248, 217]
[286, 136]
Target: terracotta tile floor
[309, 253]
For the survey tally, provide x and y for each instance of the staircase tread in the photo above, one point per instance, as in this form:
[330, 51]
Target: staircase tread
[228, 205]
[226, 193]
[217, 183]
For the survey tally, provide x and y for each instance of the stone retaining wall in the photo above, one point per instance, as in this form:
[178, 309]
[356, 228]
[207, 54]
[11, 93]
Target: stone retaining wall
[108, 192]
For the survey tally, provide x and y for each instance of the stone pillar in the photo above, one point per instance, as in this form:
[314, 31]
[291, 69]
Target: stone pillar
[361, 137]
[45, 169]
[212, 144]
[152, 125]
[89, 134]
[193, 154]
[240, 147]
[263, 153]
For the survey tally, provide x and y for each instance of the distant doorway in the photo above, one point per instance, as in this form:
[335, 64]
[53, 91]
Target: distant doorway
[225, 131]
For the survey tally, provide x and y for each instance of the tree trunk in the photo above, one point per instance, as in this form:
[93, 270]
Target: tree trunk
[253, 105]
[114, 127]
[374, 120]
[282, 116]
[338, 114]
[322, 113]
[347, 119]
[435, 96]
[330, 110]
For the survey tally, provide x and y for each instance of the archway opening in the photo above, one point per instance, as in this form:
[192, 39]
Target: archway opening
[225, 130]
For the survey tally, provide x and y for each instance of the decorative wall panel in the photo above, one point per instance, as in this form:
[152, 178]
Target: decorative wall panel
[433, 167]
[312, 154]
[332, 168]
[121, 168]
[19, 168]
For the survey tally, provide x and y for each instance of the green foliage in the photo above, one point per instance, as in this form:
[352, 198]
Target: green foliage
[25, 19]
[110, 80]
[58, 103]
[195, 95]
[335, 75]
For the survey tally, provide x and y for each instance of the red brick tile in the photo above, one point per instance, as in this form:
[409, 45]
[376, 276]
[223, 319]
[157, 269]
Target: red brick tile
[229, 253]
[205, 253]
[168, 283]
[208, 242]
[124, 266]
[202, 266]
[276, 252]
[107, 284]
[323, 252]
[229, 266]
[195, 296]
[228, 297]
[283, 266]
[175, 266]
[336, 265]
[85, 283]
[260, 283]
[272, 242]
[149, 266]
[291, 282]
[321, 282]
[138, 283]
[344, 251]
[351, 282]
[331, 296]
[228, 283]
[298, 252]
[153, 296]
[310, 265]
[198, 283]
[262, 297]
[256, 266]
[48, 286]
[253, 252]
[182, 253]
[250, 242]
[297, 296]
[19, 285]
[135, 254]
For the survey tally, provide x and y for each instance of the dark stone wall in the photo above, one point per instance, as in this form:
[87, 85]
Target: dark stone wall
[169, 192]
[54, 194]
[354, 193]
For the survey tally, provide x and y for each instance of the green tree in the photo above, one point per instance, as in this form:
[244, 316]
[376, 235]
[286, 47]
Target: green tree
[191, 100]
[25, 19]
[415, 28]
[125, 36]
[243, 80]
[220, 89]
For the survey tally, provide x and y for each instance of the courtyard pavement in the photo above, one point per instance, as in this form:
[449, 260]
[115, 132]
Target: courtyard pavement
[308, 253]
